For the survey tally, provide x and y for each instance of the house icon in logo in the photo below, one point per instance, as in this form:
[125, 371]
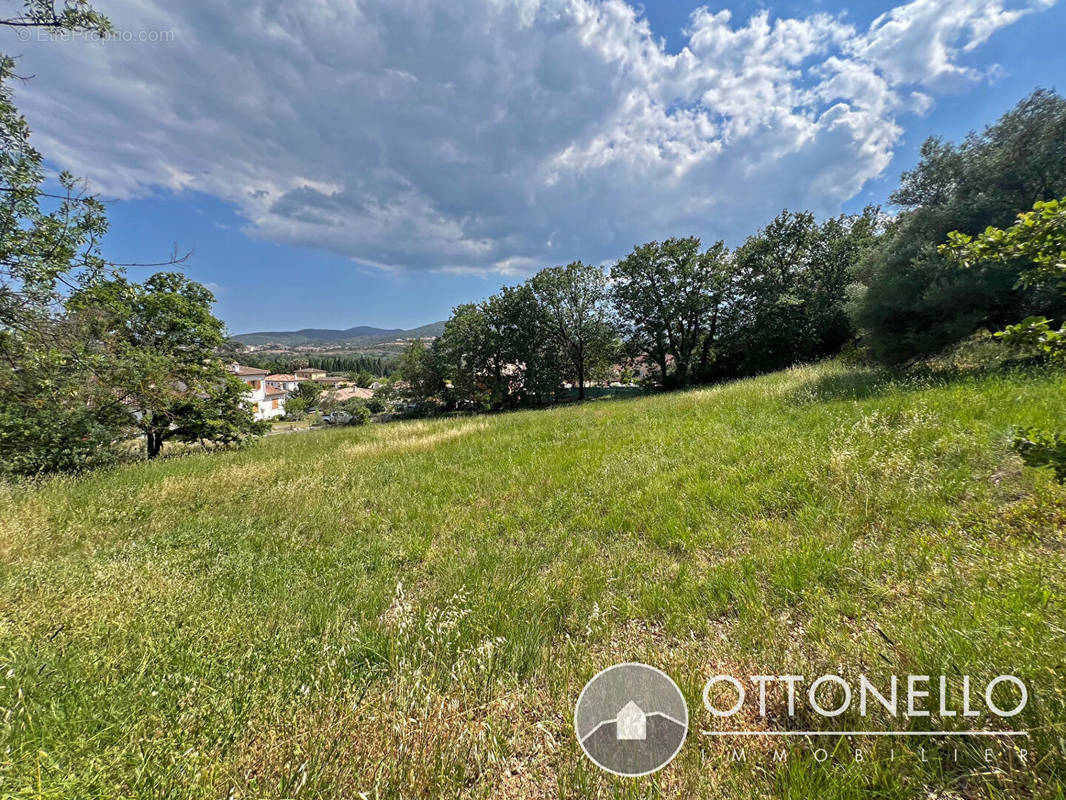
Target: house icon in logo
[631, 719]
[631, 723]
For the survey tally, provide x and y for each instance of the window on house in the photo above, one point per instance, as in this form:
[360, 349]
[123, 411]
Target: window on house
[255, 408]
[255, 384]
[274, 404]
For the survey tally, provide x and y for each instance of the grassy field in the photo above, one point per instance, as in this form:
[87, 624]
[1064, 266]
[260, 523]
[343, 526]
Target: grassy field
[410, 610]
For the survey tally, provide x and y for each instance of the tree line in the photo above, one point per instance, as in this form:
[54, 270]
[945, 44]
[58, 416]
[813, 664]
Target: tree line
[353, 364]
[796, 290]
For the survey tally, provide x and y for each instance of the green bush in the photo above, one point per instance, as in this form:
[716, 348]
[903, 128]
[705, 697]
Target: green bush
[36, 440]
[358, 409]
[1042, 449]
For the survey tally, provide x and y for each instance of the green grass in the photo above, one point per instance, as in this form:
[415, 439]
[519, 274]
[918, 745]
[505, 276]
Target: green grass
[233, 624]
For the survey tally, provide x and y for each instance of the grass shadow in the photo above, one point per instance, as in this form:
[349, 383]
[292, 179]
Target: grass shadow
[861, 383]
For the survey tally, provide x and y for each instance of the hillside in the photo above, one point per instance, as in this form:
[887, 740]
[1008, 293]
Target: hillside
[412, 609]
[358, 335]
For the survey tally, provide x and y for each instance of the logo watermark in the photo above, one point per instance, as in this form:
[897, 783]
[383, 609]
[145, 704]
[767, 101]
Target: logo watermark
[631, 719]
[830, 696]
[117, 35]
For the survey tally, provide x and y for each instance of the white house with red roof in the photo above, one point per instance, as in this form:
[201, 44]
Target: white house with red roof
[266, 397]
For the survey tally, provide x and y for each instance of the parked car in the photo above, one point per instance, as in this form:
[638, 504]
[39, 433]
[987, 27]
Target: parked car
[337, 418]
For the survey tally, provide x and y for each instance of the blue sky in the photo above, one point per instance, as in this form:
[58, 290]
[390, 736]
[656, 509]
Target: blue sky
[332, 166]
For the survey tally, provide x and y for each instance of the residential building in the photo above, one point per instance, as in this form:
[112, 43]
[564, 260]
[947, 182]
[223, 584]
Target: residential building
[310, 374]
[349, 393]
[267, 401]
[284, 381]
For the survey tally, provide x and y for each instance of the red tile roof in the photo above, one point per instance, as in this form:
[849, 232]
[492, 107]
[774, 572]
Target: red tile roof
[273, 391]
[340, 395]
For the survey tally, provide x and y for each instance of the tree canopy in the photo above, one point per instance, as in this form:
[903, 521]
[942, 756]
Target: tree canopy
[915, 300]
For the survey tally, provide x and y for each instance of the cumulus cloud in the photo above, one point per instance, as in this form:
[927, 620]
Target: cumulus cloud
[493, 135]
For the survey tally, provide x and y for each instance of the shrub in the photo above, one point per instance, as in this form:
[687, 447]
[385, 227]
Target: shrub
[1042, 449]
[360, 416]
[358, 409]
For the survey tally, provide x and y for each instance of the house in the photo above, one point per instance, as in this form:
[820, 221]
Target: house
[349, 393]
[310, 374]
[267, 401]
[284, 381]
[639, 368]
[631, 723]
[331, 380]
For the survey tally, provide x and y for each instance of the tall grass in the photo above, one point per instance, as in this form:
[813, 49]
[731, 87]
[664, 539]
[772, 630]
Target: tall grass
[410, 610]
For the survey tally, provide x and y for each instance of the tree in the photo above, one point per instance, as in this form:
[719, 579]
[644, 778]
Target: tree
[43, 251]
[71, 15]
[575, 303]
[916, 301]
[295, 407]
[534, 360]
[790, 289]
[159, 342]
[494, 354]
[420, 369]
[309, 392]
[52, 416]
[1039, 239]
[470, 356]
[670, 297]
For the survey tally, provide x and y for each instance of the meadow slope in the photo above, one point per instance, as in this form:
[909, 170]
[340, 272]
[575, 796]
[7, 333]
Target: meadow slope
[410, 610]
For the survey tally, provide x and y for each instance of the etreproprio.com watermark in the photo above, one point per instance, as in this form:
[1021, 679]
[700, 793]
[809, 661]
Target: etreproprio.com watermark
[118, 35]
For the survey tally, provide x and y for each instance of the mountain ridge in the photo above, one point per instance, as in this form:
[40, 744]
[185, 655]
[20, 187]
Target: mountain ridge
[323, 336]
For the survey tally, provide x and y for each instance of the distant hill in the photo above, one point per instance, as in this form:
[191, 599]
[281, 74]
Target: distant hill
[359, 335]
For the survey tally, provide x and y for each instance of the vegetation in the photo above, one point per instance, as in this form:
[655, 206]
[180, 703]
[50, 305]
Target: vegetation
[1039, 238]
[912, 300]
[411, 609]
[1042, 449]
[671, 298]
[375, 366]
[695, 315]
[49, 244]
[790, 293]
[156, 351]
[796, 291]
[88, 357]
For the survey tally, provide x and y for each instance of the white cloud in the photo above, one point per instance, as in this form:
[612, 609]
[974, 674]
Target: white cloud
[493, 135]
[919, 43]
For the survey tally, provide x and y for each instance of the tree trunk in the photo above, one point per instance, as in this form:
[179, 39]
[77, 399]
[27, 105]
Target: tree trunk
[581, 381]
[155, 443]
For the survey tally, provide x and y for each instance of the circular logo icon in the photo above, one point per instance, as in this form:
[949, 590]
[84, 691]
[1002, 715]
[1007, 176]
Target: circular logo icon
[631, 719]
